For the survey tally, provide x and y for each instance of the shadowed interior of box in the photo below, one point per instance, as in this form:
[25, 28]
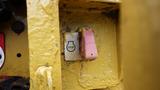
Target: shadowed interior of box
[103, 19]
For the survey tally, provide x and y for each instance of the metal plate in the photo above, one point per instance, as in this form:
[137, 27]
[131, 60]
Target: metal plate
[71, 49]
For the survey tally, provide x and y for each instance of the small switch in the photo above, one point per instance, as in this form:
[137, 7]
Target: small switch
[71, 47]
[88, 45]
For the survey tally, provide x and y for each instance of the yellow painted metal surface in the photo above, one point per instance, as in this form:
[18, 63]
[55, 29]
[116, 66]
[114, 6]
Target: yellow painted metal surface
[14, 44]
[100, 73]
[44, 49]
[138, 41]
[40, 48]
[44, 44]
[140, 35]
[15, 66]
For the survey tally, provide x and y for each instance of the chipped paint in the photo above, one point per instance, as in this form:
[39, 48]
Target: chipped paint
[41, 73]
[44, 43]
[44, 48]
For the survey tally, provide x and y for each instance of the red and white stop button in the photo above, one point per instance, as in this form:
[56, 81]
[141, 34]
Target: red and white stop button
[2, 45]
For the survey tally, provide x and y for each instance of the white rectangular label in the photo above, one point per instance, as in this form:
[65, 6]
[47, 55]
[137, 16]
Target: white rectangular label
[71, 49]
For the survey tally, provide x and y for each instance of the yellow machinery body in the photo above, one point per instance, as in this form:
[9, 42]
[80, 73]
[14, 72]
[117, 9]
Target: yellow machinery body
[42, 49]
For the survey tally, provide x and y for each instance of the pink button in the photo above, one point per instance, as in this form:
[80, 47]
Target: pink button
[88, 45]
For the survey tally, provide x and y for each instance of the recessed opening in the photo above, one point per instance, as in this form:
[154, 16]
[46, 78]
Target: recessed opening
[19, 54]
[18, 88]
[14, 83]
[103, 19]
[1, 88]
